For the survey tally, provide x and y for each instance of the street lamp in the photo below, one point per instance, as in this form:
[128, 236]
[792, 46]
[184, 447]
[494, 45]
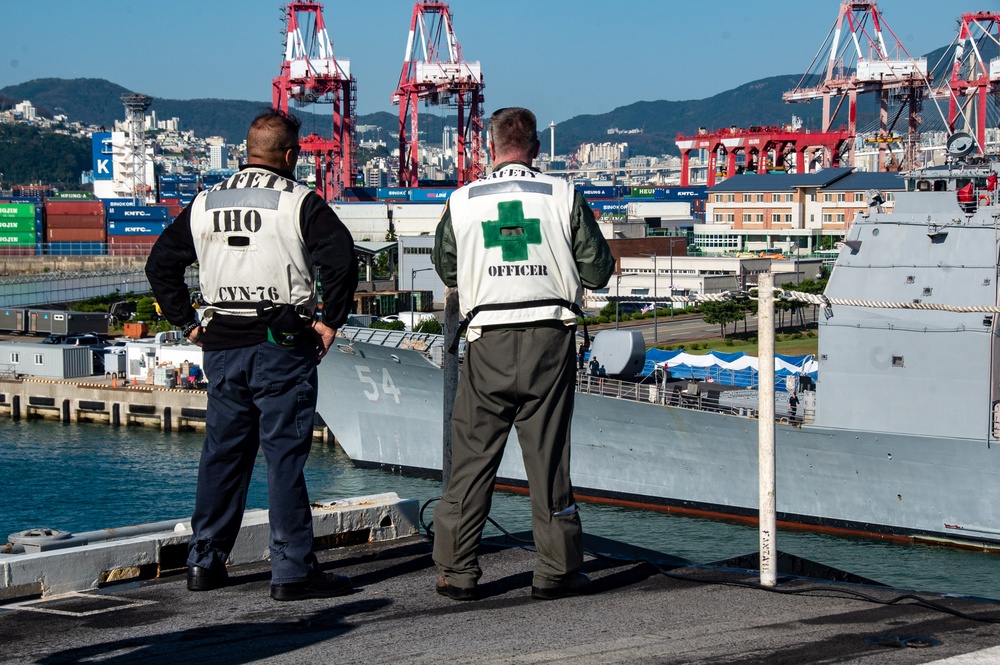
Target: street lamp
[656, 338]
[413, 274]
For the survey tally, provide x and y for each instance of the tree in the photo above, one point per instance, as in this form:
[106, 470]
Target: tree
[145, 310]
[728, 311]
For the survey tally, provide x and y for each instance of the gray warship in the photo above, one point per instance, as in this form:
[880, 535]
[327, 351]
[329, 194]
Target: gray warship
[897, 438]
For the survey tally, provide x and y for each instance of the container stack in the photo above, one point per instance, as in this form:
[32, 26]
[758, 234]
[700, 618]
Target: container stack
[21, 228]
[132, 230]
[74, 227]
[178, 188]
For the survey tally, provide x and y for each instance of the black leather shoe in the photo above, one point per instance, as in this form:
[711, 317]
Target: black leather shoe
[319, 586]
[206, 579]
[455, 592]
[575, 585]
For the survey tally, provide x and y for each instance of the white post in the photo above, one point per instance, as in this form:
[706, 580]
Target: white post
[765, 431]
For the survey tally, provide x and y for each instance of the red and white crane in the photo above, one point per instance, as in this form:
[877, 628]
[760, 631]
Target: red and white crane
[972, 79]
[864, 63]
[310, 74]
[435, 72]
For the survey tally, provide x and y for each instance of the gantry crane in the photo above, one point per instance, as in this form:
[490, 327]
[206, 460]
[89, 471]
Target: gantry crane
[972, 79]
[311, 75]
[864, 64]
[440, 77]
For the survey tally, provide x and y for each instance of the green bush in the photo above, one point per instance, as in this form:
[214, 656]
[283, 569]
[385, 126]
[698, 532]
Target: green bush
[145, 311]
[388, 325]
[729, 341]
[429, 326]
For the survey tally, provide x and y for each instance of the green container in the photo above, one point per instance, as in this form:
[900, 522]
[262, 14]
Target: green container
[8, 239]
[17, 225]
[387, 303]
[642, 192]
[17, 211]
[79, 196]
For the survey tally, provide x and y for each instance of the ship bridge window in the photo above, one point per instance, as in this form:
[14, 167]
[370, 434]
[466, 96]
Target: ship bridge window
[940, 185]
[923, 186]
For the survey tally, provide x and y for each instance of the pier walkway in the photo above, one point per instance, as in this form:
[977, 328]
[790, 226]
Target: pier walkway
[637, 615]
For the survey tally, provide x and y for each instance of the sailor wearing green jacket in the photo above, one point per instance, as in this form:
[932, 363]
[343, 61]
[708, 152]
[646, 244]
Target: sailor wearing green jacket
[520, 246]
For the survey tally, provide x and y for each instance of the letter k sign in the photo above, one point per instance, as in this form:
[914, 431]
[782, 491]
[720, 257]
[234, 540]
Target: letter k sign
[512, 232]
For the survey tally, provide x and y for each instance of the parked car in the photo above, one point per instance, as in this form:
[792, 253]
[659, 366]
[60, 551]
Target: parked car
[76, 339]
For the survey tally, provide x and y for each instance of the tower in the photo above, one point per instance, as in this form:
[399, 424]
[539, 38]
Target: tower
[311, 75]
[135, 143]
[440, 77]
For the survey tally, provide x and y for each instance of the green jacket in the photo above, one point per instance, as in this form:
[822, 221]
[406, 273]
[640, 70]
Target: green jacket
[593, 256]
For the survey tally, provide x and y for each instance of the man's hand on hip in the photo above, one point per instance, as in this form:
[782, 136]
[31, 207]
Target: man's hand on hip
[324, 338]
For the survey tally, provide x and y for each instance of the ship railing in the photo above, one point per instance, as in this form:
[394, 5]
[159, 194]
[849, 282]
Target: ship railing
[682, 396]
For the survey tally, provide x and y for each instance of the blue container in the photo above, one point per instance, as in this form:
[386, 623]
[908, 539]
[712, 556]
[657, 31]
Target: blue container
[37, 200]
[393, 193]
[615, 207]
[139, 213]
[139, 227]
[430, 195]
[118, 203]
[187, 177]
[74, 248]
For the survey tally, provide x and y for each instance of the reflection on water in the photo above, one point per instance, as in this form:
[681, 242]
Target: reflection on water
[84, 477]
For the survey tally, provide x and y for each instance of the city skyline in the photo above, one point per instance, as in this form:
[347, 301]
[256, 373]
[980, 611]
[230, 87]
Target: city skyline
[560, 59]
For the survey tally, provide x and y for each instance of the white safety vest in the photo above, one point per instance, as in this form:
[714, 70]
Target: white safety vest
[514, 244]
[248, 238]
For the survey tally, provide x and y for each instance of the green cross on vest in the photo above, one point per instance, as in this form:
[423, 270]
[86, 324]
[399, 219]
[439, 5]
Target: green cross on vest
[512, 232]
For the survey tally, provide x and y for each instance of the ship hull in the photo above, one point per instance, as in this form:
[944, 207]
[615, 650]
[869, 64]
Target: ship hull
[384, 406]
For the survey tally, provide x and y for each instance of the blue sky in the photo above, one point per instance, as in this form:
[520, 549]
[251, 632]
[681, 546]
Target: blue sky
[560, 58]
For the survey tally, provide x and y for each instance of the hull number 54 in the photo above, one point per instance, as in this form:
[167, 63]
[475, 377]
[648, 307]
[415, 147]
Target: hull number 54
[372, 391]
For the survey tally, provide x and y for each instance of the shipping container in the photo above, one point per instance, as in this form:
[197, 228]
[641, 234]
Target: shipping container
[32, 190]
[134, 245]
[11, 238]
[171, 201]
[598, 192]
[20, 250]
[393, 193]
[34, 200]
[74, 222]
[93, 234]
[620, 207]
[432, 195]
[17, 211]
[118, 203]
[18, 225]
[94, 208]
[141, 227]
[75, 248]
[137, 213]
[641, 192]
[72, 196]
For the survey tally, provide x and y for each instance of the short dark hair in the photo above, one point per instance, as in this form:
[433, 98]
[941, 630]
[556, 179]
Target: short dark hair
[513, 129]
[272, 132]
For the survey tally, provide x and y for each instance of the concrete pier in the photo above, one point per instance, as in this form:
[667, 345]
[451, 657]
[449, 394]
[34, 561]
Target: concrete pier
[109, 401]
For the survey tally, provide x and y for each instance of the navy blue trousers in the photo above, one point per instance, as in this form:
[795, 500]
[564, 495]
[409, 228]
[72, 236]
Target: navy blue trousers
[261, 396]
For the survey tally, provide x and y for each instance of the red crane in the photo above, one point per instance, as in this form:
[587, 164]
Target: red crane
[864, 64]
[973, 79]
[311, 75]
[440, 77]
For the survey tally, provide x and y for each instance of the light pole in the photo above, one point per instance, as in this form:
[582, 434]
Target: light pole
[618, 287]
[656, 338]
[413, 274]
[671, 278]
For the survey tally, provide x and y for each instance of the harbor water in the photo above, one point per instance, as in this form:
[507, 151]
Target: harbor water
[84, 477]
